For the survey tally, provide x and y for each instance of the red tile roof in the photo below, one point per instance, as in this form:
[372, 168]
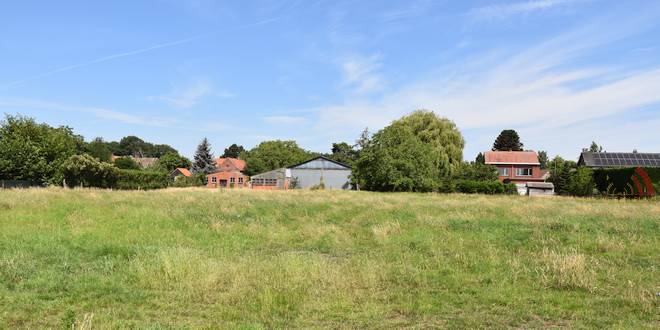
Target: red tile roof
[512, 157]
[184, 171]
[230, 164]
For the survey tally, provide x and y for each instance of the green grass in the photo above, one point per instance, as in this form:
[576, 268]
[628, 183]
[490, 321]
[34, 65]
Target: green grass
[194, 258]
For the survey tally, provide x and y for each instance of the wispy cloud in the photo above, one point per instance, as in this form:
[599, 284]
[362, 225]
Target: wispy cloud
[190, 96]
[539, 87]
[361, 73]
[136, 52]
[502, 11]
[98, 112]
[284, 120]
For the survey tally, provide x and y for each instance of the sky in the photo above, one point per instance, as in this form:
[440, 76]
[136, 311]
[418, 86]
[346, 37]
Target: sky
[562, 73]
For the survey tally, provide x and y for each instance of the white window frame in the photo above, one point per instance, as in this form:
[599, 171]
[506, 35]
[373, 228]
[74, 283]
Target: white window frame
[521, 170]
[503, 171]
[214, 179]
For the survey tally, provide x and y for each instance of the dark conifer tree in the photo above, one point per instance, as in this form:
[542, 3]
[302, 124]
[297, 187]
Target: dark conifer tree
[204, 161]
[508, 140]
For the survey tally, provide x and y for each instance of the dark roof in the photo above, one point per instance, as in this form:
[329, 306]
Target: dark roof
[619, 159]
[321, 157]
[541, 185]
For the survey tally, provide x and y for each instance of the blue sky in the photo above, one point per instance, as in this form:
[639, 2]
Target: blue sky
[560, 72]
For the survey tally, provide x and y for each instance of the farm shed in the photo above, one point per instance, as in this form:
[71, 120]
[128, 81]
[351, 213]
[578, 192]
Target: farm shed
[313, 172]
[272, 180]
[540, 189]
[618, 159]
[179, 171]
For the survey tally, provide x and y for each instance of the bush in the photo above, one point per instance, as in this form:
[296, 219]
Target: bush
[87, 171]
[136, 179]
[510, 189]
[490, 187]
[127, 163]
[198, 179]
[581, 182]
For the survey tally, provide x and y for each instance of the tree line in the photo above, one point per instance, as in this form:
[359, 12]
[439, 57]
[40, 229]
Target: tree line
[418, 152]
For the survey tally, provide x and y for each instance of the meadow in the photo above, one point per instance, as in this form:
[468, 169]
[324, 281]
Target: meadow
[197, 258]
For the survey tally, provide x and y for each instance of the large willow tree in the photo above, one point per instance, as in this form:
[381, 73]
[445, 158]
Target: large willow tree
[415, 153]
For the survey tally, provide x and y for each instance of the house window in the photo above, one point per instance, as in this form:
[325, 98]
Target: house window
[271, 182]
[232, 180]
[240, 180]
[214, 179]
[504, 171]
[527, 171]
[257, 182]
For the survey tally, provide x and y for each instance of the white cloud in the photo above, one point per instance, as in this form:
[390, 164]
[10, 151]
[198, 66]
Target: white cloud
[361, 73]
[96, 111]
[284, 120]
[502, 11]
[539, 87]
[191, 96]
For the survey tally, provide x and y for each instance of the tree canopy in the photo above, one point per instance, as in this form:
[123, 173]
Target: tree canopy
[414, 153]
[35, 152]
[204, 162]
[170, 161]
[508, 140]
[99, 149]
[270, 155]
[344, 153]
[233, 151]
[595, 147]
[134, 146]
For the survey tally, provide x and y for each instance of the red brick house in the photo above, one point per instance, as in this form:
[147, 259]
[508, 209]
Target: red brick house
[228, 174]
[233, 179]
[517, 167]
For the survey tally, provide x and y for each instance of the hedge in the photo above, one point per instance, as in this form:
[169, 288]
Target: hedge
[490, 187]
[619, 181]
[139, 179]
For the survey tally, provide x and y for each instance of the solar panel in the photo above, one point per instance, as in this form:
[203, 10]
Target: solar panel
[616, 159]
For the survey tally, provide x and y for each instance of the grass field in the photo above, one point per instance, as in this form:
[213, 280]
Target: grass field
[195, 258]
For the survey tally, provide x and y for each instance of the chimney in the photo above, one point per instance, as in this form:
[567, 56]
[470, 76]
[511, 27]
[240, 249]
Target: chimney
[634, 151]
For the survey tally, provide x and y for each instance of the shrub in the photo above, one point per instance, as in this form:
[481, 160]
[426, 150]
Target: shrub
[127, 163]
[581, 182]
[480, 187]
[136, 179]
[87, 171]
[198, 179]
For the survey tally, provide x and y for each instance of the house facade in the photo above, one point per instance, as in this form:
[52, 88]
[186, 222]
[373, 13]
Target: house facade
[228, 174]
[233, 179]
[519, 167]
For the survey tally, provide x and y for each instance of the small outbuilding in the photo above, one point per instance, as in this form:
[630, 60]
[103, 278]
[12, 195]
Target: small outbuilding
[180, 172]
[540, 189]
[278, 179]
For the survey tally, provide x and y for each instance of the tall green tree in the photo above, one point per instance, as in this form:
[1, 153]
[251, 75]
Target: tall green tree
[99, 149]
[344, 153]
[543, 159]
[233, 151]
[135, 146]
[508, 140]
[415, 153]
[204, 161]
[481, 159]
[35, 152]
[595, 147]
[127, 163]
[270, 155]
[170, 161]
